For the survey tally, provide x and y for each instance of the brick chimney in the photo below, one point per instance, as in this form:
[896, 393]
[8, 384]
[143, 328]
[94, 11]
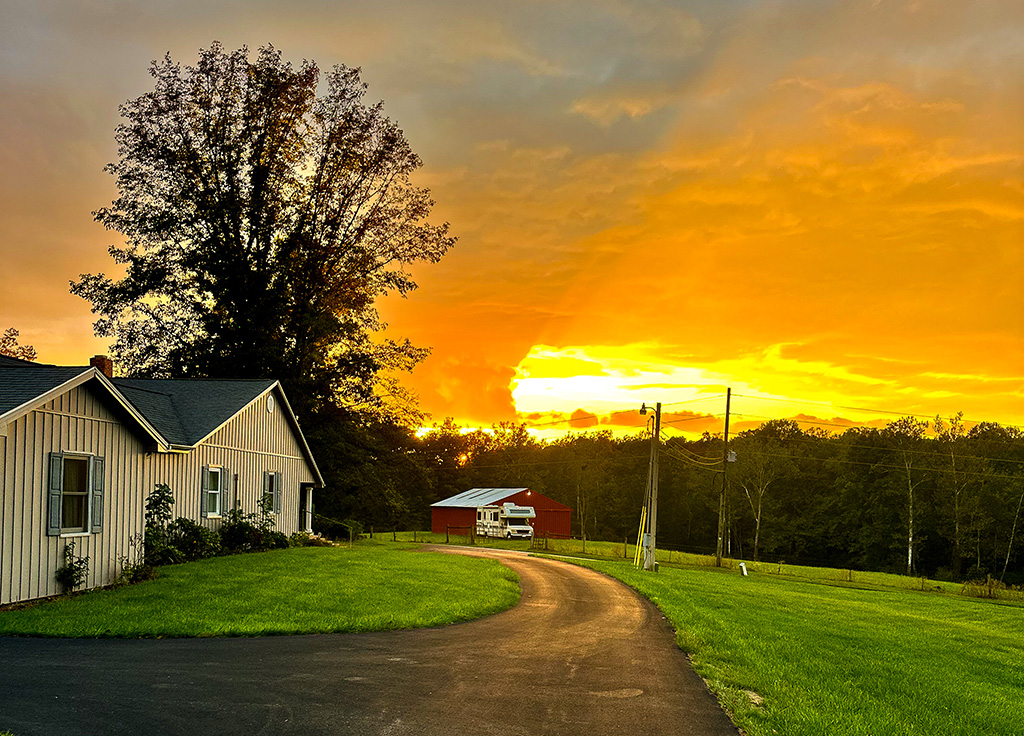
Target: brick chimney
[105, 364]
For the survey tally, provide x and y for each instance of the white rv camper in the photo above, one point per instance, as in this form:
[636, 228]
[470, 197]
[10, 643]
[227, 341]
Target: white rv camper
[507, 521]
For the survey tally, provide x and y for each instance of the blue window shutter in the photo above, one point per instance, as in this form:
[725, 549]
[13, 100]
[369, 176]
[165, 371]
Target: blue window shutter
[97, 494]
[203, 501]
[268, 487]
[277, 493]
[54, 487]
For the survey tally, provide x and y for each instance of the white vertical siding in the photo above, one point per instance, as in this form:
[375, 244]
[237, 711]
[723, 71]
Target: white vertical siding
[77, 421]
[254, 441]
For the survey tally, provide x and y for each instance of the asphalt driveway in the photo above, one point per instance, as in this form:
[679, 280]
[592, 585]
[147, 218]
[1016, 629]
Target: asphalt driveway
[580, 654]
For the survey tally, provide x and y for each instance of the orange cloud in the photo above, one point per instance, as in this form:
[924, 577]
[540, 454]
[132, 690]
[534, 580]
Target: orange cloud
[817, 202]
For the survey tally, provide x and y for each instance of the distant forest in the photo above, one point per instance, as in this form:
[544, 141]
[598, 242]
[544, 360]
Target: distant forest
[915, 497]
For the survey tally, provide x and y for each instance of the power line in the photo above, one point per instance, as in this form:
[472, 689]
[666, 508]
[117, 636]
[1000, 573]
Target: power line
[687, 461]
[688, 451]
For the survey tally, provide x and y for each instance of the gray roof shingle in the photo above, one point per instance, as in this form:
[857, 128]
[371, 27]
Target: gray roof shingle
[22, 382]
[187, 411]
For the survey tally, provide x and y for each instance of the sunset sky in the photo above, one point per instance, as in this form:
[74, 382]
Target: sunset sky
[819, 204]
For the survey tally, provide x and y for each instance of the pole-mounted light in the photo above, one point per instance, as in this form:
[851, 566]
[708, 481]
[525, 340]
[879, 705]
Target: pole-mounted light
[652, 490]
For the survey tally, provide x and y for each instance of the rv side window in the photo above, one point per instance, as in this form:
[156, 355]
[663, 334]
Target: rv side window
[479, 515]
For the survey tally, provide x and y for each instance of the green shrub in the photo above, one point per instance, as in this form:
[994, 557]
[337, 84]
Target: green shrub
[276, 540]
[192, 541]
[157, 549]
[74, 571]
[138, 569]
[134, 572]
[170, 542]
[251, 532]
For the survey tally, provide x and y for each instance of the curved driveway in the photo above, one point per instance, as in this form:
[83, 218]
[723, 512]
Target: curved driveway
[580, 654]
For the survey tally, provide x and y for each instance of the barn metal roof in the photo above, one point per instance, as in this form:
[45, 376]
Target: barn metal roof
[479, 497]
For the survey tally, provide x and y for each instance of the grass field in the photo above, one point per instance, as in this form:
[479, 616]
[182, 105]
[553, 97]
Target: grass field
[620, 551]
[824, 659]
[371, 587]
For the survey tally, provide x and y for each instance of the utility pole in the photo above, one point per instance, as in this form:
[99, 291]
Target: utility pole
[652, 487]
[721, 496]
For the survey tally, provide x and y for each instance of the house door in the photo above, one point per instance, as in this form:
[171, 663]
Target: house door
[305, 507]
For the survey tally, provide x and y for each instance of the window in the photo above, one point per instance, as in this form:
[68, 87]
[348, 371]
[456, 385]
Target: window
[272, 483]
[211, 491]
[74, 514]
[75, 494]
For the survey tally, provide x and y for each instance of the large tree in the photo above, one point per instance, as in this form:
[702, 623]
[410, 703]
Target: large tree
[261, 221]
[764, 460]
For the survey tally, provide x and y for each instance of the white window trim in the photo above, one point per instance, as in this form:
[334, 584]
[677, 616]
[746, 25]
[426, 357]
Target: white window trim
[87, 456]
[270, 476]
[219, 470]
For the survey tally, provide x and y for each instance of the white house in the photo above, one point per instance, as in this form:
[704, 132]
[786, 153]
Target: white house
[80, 452]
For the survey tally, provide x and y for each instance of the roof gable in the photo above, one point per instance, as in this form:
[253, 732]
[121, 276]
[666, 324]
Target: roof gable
[189, 411]
[28, 386]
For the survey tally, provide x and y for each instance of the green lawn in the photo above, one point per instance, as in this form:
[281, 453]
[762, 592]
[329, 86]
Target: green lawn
[835, 660]
[371, 587]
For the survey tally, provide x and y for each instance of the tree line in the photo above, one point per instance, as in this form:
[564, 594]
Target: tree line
[921, 497]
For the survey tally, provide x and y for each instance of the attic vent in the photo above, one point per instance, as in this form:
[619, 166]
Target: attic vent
[270, 403]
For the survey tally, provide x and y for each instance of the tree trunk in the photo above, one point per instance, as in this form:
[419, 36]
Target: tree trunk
[1013, 532]
[757, 531]
[910, 521]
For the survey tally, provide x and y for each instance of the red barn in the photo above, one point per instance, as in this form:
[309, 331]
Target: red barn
[553, 518]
